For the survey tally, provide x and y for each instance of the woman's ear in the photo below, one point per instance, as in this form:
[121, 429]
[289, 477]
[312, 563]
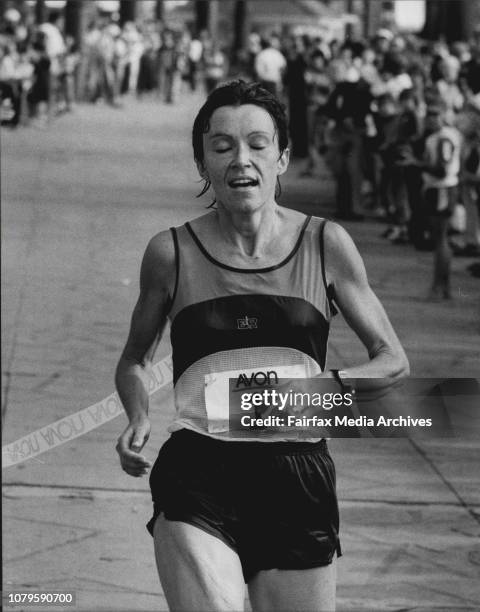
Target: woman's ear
[283, 161]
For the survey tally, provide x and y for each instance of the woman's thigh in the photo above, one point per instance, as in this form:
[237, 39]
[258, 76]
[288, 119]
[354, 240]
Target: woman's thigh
[197, 570]
[310, 590]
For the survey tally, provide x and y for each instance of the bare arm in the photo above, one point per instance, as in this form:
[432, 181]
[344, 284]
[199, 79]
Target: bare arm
[363, 312]
[157, 279]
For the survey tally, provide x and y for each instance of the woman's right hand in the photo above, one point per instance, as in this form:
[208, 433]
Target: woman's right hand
[130, 444]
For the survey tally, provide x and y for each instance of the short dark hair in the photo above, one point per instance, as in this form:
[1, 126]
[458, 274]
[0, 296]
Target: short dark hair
[236, 93]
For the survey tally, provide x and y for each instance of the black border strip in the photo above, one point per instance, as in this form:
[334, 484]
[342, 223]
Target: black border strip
[249, 270]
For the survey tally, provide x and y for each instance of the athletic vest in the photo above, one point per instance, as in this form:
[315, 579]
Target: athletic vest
[443, 147]
[244, 321]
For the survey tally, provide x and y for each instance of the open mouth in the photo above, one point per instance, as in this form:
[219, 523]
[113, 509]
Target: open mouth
[239, 183]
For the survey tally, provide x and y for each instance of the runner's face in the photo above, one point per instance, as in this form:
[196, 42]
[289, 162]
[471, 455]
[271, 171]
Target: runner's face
[242, 158]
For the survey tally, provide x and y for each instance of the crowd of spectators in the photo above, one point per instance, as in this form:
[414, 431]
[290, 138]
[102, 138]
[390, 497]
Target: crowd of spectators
[395, 118]
[397, 121]
[43, 73]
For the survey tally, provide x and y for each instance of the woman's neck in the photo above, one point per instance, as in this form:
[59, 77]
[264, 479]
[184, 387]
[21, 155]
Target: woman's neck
[250, 233]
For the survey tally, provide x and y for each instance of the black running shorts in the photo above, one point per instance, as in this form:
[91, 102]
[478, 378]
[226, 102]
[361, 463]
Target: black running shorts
[274, 503]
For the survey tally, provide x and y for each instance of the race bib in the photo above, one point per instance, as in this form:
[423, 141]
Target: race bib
[217, 387]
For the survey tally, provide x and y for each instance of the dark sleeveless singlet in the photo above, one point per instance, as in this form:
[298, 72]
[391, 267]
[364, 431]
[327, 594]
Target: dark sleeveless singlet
[227, 319]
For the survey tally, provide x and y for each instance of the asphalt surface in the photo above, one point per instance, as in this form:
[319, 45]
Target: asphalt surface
[80, 201]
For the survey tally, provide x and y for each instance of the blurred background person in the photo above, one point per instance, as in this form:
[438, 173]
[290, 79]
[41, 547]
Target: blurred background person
[348, 108]
[215, 66]
[297, 54]
[440, 167]
[195, 55]
[55, 49]
[39, 95]
[270, 65]
[169, 65]
[148, 70]
[135, 48]
[318, 88]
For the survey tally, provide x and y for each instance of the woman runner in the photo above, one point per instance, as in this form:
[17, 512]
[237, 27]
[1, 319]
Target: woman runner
[247, 287]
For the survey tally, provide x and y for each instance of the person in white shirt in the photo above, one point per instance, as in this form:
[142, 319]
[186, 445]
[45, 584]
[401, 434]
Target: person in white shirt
[56, 49]
[195, 54]
[270, 64]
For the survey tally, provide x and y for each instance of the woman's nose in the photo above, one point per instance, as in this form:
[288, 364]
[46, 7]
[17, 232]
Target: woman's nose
[242, 155]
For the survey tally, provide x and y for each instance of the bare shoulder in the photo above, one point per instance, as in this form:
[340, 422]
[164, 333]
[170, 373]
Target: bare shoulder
[158, 265]
[336, 237]
[161, 248]
[342, 259]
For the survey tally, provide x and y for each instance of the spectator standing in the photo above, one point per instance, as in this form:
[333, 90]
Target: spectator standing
[215, 63]
[383, 145]
[135, 49]
[195, 54]
[254, 46]
[319, 87]
[148, 73]
[440, 167]
[297, 96]
[89, 64]
[397, 129]
[39, 95]
[169, 63]
[270, 65]
[56, 49]
[71, 62]
[104, 66]
[120, 59]
[348, 108]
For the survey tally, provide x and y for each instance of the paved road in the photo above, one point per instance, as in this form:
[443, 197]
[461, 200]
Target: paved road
[80, 202]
